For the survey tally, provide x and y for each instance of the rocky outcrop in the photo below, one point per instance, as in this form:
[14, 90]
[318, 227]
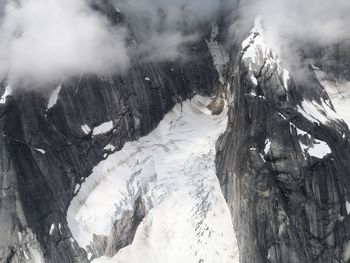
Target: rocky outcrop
[283, 163]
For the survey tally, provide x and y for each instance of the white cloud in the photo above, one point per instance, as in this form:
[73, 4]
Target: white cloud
[47, 40]
[163, 27]
[43, 40]
[291, 25]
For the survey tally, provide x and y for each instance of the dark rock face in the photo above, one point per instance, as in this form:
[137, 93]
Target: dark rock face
[288, 205]
[45, 153]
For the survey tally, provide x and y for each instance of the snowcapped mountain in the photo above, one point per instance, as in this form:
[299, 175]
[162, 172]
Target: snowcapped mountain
[282, 161]
[225, 153]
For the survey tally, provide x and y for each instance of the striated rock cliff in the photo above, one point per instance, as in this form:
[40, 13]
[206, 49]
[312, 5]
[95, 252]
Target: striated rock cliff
[283, 163]
[51, 142]
[120, 167]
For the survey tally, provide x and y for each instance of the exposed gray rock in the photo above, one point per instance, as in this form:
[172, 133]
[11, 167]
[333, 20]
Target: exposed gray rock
[287, 204]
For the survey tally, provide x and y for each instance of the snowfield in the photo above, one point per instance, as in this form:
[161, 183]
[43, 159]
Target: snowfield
[173, 169]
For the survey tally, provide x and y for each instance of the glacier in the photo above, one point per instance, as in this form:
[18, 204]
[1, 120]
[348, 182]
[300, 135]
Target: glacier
[173, 170]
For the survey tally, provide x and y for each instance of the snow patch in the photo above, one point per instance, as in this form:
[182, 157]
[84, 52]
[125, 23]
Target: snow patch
[318, 149]
[103, 128]
[52, 228]
[7, 93]
[286, 78]
[267, 146]
[173, 169]
[262, 157]
[317, 113]
[254, 80]
[282, 116]
[86, 129]
[40, 150]
[53, 98]
[109, 147]
[26, 255]
[347, 205]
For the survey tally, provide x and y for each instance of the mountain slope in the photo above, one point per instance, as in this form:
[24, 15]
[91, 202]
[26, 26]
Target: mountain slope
[283, 163]
[137, 166]
[47, 151]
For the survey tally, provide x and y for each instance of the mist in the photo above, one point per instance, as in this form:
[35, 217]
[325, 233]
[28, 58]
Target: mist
[294, 25]
[43, 41]
[49, 40]
[164, 27]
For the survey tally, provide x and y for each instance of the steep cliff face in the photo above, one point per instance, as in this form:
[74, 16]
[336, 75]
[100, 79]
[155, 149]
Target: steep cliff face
[283, 163]
[51, 142]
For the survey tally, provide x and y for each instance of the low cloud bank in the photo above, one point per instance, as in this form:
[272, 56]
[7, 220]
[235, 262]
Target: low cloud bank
[49, 40]
[43, 40]
[294, 25]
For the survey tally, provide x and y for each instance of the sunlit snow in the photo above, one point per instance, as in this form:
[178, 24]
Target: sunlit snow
[318, 148]
[267, 146]
[53, 97]
[52, 228]
[103, 128]
[109, 147]
[42, 151]
[7, 92]
[316, 112]
[86, 129]
[347, 205]
[173, 169]
[257, 54]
